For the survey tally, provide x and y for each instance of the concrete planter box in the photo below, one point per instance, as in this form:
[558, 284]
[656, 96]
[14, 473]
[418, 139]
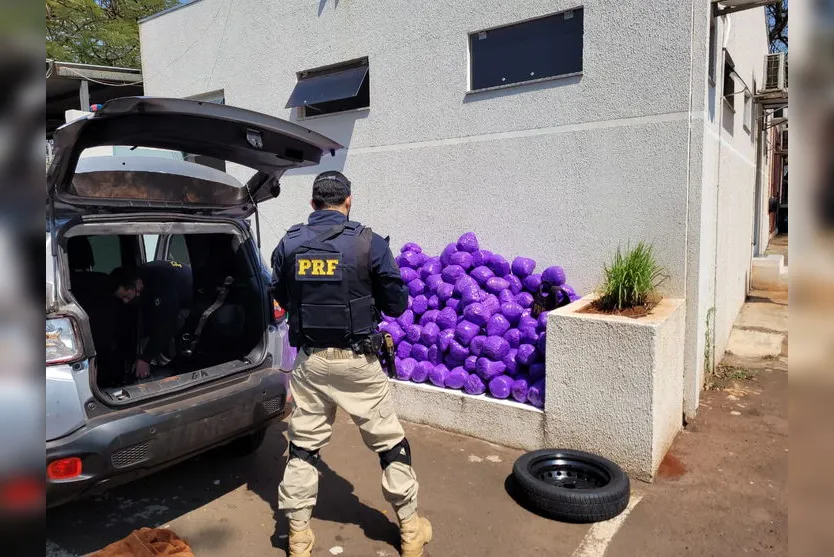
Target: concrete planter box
[615, 384]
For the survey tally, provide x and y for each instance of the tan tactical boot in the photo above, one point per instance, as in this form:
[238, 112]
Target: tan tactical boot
[415, 532]
[301, 540]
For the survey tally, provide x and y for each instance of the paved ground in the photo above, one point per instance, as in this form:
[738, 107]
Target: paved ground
[778, 245]
[723, 489]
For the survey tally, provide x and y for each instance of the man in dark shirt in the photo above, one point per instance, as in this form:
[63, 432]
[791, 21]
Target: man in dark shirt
[164, 292]
[334, 277]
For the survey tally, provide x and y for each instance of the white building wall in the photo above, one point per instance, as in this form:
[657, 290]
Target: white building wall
[562, 171]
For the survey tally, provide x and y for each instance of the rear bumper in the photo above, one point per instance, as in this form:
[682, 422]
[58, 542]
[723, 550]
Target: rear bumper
[127, 444]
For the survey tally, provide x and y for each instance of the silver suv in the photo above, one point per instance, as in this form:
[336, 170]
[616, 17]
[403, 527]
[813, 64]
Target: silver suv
[140, 180]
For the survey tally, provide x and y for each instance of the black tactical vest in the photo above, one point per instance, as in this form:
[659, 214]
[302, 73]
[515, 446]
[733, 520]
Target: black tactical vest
[328, 269]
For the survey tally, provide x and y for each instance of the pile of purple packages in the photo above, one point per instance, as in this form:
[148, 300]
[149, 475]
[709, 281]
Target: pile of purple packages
[468, 324]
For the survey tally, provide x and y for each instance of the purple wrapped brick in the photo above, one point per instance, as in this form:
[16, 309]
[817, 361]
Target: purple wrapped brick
[438, 375]
[420, 304]
[487, 369]
[412, 333]
[470, 296]
[500, 386]
[477, 345]
[535, 394]
[434, 282]
[529, 336]
[480, 257]
[428, 336]
[420, 352]
[406, 368]
[526, 354]
[429, 317]
[496, 285]
[406, 319]
[456, 378]
[464, 283]
[531, 283]
[519, 390]
[453, 304]
[447, 253]
[465, 332]
[421, 372]
[433, 302]
[527, 322]
[396, 332]
[432, 266]
[492, 304]
[537, 371]
[524, 299]
[444, 292]
[452, 362]
[541, 344]
[444, 338]
[541, 322]
[476, 313]
[514, 282]
[495, 348]
[482, 274]
[499, 265]
[506, 296]
[469, 363]
[416, 287]
[509, 361]
[411, 246]
[523, 267]
[462, 259]
[554, 275]
[468, 242]
[513, 337]
[447, 319]
[404, 349]
[474, 385]
[512, 311]
[408, 274]
[497, 325]
[458, 351]
[452, 273]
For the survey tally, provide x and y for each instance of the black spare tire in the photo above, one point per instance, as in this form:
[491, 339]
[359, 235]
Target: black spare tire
[571, 486]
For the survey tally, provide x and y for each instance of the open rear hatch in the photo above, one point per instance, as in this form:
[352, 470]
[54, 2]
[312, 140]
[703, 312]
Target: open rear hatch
[267, 145]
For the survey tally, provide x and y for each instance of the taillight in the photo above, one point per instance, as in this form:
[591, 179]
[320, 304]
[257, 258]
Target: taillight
[278, 313]
[62, 342]
[21, 494]
[64, 468]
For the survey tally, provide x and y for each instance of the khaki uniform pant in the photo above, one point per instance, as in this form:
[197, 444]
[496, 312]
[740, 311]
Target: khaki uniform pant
[321, 382]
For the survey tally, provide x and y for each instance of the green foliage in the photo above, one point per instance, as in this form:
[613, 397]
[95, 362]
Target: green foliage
[631, 279]
[102, 32]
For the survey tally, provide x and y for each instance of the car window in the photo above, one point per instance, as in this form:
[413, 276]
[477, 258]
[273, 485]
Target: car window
[178, 249]
[150, 241]
[107, 253]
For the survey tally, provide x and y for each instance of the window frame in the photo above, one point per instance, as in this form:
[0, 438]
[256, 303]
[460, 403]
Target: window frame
[728, 98]
[747, 117]
[471, 91]
[301, 111]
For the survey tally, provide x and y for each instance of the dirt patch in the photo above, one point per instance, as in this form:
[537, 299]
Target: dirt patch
[632, 312]
[671, 467]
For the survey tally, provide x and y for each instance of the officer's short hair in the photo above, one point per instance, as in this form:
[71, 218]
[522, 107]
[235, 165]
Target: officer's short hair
[124, 277]
[330, 189]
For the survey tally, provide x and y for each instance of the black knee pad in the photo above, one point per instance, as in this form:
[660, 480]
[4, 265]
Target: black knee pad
[401, 452]
[310, 457]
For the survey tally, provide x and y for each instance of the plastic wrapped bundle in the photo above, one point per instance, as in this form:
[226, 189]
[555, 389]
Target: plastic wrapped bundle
[514, 282]
[497, 325]
[453, 304]
[465, 332]
[435, 356]
[491, 303]
[482, 274]
[523, 267]
[519, 390]
[487, 369]
[512, 311]
[408, 274]
[416, 287]
[458, 351]
[433, 302]
[446, 319]
[524, 299]
[412, 333]
[496, 284]
[474, 385]
[444, 338]
[495, 348]
[476, 345]
[452, 273]
[420, 304]
[500, 386]
[526, 354]
[513, 337]
[406, 319]
[506, 296]
[452, 362]
[532, 283]
[527, 322]
[476, 313]
[537, 371]
[432, 266]
[541, 344]
[428, 336]
[420, 352]
[535, 394]
[444, 292]
[470, 294]
[462, 259]
[541, 322]
[434, 282]
[480, 257]
[396, 331]
[509, 361]
[455, 378]
[411, 246]
[468, 242]
[554, 275]
[470, 364]
[406, 369]
[529, 336]
[421, 372]
[438, 375]
[404, 349]
[410, 259]
[429, 317]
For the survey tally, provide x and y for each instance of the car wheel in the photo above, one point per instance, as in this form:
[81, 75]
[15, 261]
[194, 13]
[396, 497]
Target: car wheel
[247, 444]
[571, 486]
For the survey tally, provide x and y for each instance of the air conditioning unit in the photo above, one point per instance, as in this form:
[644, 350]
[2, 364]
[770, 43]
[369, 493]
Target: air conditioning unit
[776, 72]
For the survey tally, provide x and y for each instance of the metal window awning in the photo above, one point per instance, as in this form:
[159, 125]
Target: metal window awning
[333, 86]
[724, 7]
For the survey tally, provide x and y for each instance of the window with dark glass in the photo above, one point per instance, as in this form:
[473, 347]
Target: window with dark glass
[712, 40]
[729, 81]
[333, 89]
[533, 50]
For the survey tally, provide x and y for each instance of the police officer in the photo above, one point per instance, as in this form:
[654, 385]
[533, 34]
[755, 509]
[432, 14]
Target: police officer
[163, 290]
[334, 277]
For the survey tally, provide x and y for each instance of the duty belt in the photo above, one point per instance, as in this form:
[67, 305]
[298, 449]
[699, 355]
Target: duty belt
[371, 344]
